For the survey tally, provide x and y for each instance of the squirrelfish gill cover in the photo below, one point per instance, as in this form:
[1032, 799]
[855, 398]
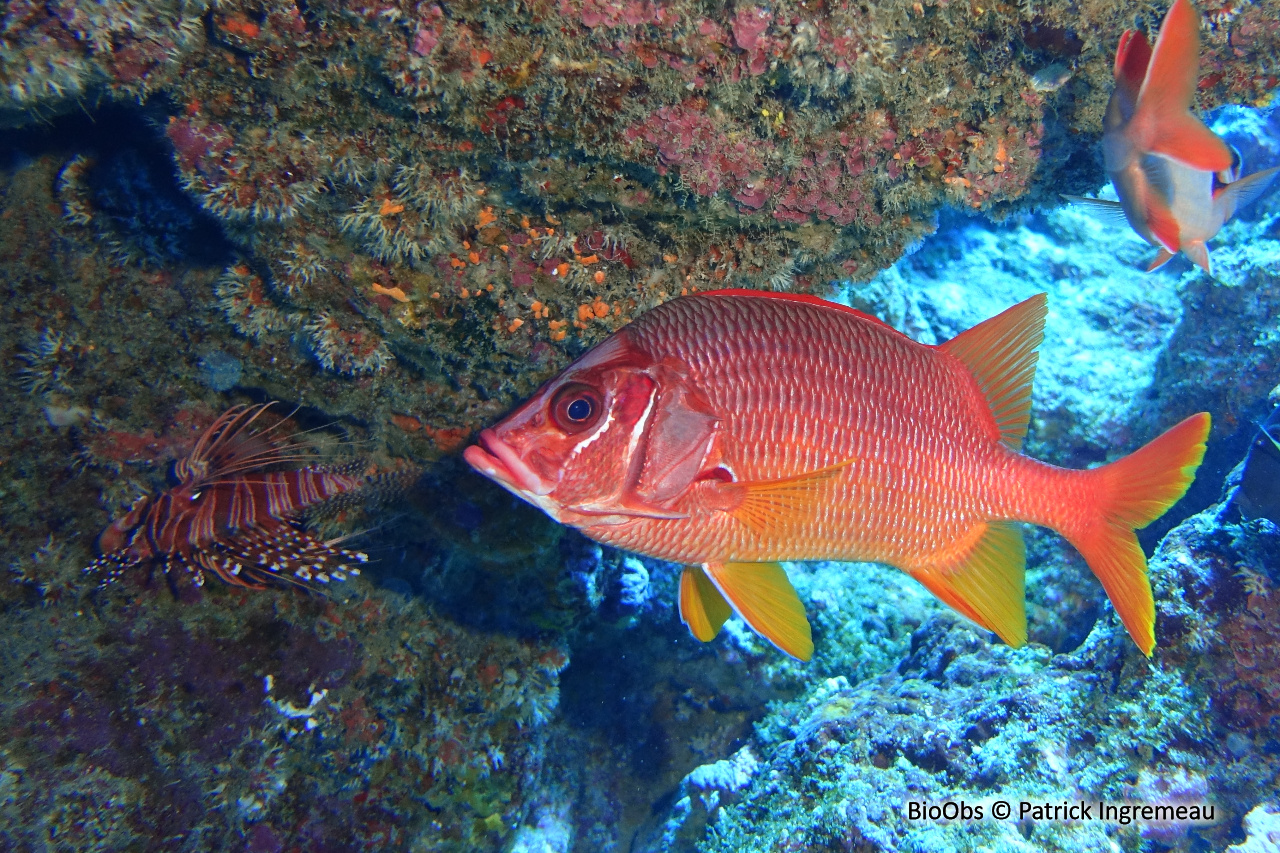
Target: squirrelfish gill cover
[733, 429]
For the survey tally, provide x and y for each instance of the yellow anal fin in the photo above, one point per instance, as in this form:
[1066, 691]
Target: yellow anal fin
[765, 599]
[986, 584]
[702, 607]
[769, 504]
[1001, 353]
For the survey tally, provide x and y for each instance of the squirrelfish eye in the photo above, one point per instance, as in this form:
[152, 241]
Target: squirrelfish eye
[576, 407]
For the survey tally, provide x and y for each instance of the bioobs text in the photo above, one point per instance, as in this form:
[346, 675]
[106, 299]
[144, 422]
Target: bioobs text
[947, 810]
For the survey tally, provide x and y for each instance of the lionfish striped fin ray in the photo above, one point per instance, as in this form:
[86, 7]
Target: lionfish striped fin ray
[113, 565]
[378, 488]
[231, 446]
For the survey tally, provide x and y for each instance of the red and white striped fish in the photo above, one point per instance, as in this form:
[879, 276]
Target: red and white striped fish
[233, 516]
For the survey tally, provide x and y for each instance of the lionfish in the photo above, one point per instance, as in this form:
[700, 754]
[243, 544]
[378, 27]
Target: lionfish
[237, 512]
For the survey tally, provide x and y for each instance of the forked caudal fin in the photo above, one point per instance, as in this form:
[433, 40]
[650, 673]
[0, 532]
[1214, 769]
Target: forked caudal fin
[1131, 493]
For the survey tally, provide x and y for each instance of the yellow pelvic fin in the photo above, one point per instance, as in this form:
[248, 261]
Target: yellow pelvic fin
[769, 504]
[765, 599]
[1001, 352]
[986, 584]
[702, 607]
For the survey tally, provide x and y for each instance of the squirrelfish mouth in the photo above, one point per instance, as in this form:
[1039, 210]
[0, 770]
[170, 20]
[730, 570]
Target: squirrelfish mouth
[494, 458]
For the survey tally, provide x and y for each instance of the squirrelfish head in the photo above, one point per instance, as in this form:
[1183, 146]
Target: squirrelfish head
[574, 448]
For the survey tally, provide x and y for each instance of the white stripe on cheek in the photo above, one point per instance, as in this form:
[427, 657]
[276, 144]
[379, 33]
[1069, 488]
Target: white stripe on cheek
[638, 430]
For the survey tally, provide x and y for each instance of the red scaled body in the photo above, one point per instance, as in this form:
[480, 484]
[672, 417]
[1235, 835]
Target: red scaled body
[233, 516]
[734, 429]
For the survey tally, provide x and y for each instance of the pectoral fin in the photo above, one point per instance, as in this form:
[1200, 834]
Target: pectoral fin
[765, 599]
[1110, 212]
[985, 582]
[1238, 194]
[769, 504]
[702, 607]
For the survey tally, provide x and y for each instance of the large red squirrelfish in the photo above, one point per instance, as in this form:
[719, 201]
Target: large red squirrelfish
[733, 429]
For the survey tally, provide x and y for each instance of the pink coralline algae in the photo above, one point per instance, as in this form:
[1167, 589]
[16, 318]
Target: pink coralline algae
[748, 25]
[831, 181]
[259, 174]
[62, 50]
[612, 13]
[428, 35]
[826, 186]
[708, 157]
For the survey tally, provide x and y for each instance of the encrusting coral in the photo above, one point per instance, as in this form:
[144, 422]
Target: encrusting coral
[425, 180]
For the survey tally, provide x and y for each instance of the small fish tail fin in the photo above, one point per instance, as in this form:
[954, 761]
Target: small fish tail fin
[1198, 253]
[1133, 55]
[1130, 494]
[1162, 121]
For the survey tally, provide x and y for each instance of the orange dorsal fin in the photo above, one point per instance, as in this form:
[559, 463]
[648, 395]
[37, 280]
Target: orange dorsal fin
[1001, 354]
[1130, 493]
[771, 504]
[702, 607]
[765, 599]
[1162, 122]
[985, 583]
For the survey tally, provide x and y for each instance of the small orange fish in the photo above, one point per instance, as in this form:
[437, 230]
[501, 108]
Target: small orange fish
[1177, 181]
[733, 429]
